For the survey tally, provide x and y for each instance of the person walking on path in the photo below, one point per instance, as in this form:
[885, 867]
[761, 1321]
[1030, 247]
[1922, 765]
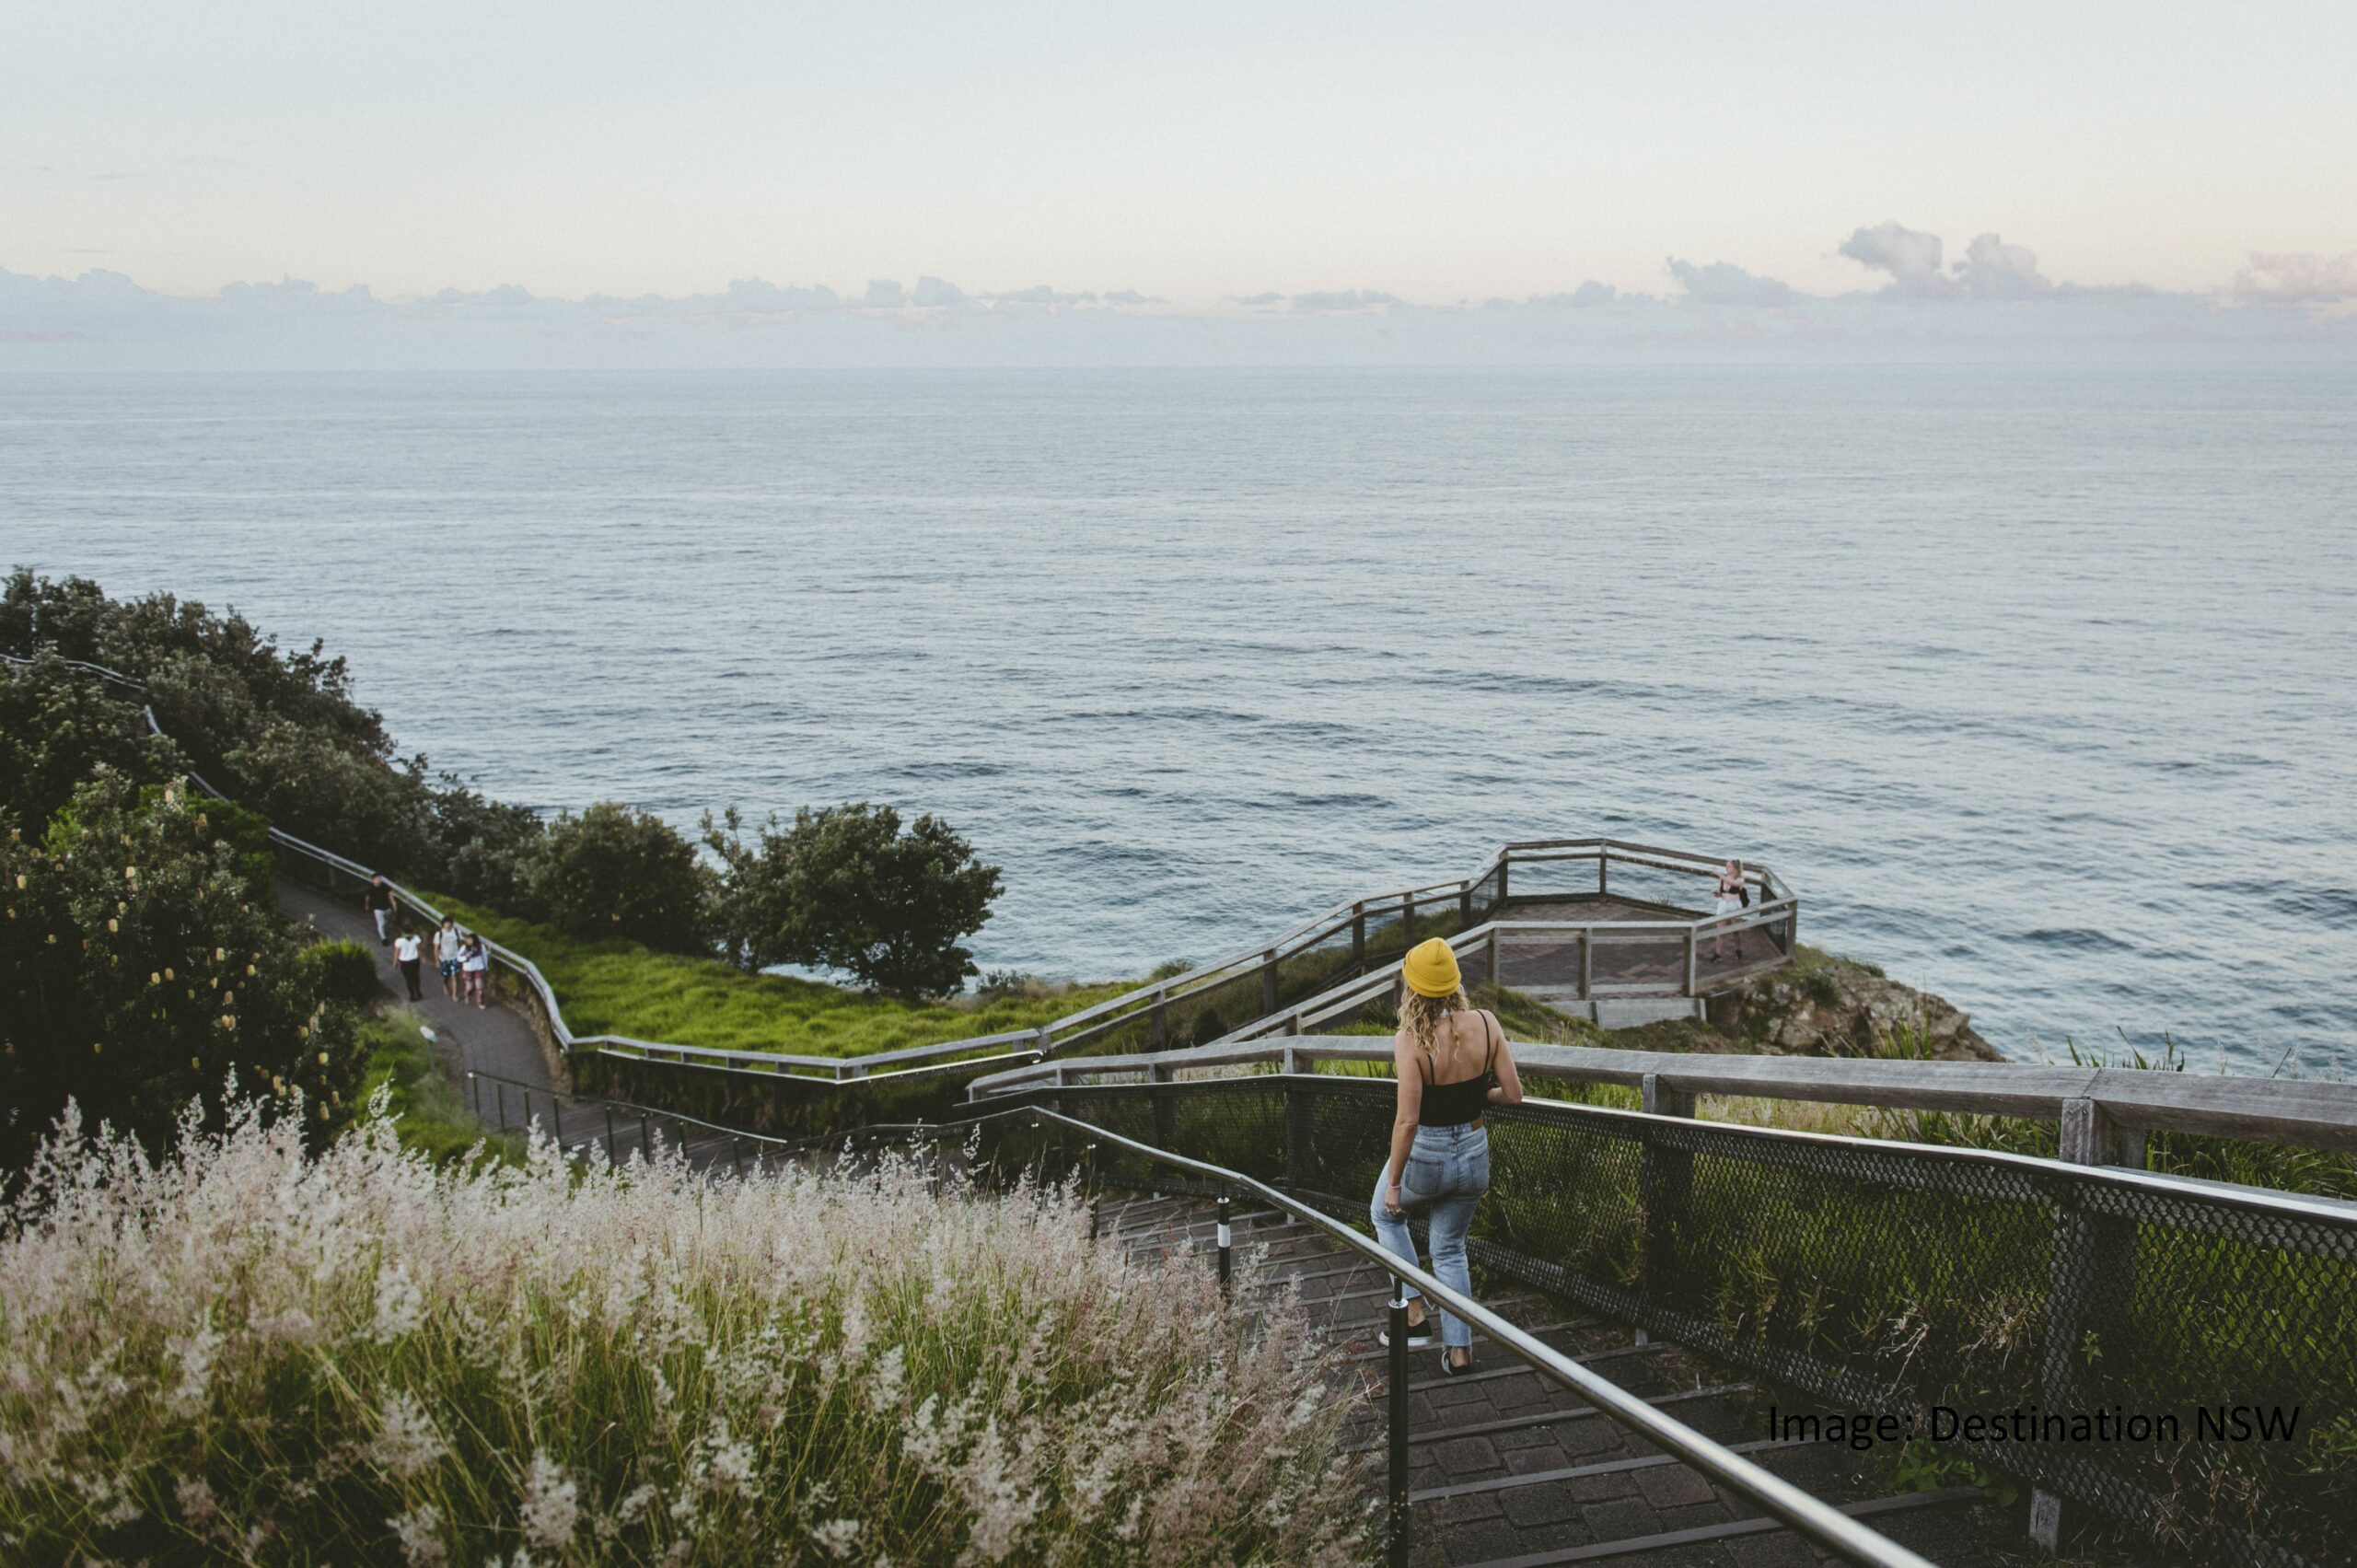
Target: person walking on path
[448, 953]
[474, 963]
[1453, 1063]
[1731, 901]
[409, 952]
[378, 901]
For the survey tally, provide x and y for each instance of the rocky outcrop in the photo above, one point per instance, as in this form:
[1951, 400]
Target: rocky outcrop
[1822, 1005]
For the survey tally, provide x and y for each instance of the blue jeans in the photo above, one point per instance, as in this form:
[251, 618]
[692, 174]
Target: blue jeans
[1447, 1172]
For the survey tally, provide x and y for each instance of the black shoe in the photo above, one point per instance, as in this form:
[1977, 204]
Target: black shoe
[1419, 1335]
[1449, 1367]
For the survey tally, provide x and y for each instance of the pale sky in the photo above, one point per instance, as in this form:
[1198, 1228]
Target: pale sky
[1194, 152]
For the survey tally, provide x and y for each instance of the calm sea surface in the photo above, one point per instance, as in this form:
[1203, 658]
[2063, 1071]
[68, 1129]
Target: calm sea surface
[2035, 682]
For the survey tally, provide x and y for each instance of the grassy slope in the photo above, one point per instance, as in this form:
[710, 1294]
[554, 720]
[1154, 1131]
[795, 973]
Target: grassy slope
[433, 1120]
[609, 986]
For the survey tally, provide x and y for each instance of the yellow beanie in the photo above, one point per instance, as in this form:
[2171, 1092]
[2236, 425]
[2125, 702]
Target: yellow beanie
[1431, 969]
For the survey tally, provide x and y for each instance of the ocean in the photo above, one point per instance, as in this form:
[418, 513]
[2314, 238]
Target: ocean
[2033, 681]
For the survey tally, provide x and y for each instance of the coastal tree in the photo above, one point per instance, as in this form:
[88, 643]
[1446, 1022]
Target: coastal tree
[847, 887]
[141, 963]
[617, 871]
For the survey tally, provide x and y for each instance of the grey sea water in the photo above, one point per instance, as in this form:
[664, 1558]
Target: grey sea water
[2034, 682]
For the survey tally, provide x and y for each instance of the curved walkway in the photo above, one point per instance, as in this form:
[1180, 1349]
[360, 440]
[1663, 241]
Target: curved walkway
[498, 1041]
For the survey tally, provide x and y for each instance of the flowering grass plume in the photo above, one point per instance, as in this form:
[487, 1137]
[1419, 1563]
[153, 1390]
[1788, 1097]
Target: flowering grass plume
[250, 1354]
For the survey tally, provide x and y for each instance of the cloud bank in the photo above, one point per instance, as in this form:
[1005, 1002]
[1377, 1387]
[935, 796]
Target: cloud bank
[1991, 301]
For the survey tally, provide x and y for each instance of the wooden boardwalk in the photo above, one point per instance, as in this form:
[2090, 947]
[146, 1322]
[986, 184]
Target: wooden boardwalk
[1549, 970]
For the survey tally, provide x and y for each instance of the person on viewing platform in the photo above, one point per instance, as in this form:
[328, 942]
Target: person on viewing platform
[449, 952]
[1731, 901]
[409, 952]
[1453, 1063]
[379, 901]
[474, 963]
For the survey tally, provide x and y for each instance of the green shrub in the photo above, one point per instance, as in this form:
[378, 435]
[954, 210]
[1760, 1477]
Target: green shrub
[139, 968]
[845, 889]
[343, 971]
[397, 1061]
[615, 871]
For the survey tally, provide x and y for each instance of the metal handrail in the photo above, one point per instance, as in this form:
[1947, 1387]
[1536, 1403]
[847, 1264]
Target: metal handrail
[1821, 1522]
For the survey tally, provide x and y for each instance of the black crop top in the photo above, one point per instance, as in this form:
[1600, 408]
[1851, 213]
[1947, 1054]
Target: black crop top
[1453, 1105]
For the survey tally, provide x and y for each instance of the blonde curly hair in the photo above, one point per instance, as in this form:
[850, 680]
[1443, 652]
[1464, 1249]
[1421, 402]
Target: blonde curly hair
[1423, 1014]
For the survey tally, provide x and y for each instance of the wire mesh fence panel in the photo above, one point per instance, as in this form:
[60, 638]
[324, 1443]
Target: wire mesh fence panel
[1484, 897]
[1658, 887]
[1548, 964]
[1638, 962]
[1542, 876]
[2182, 1361]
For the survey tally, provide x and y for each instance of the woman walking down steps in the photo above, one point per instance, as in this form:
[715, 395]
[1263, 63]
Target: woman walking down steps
[1451, 1063]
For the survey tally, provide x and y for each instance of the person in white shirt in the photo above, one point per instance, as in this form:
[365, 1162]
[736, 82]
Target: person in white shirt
[449, 952]
[475, 965]
[409, 952]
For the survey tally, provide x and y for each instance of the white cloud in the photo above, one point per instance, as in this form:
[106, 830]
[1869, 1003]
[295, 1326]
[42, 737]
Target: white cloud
[2283, 278]
[1320, 300]
[1724, 283]
[758, 296]
[1990, 269]
[1039, 293]
[103, 320]
[1911, 256]
[932, 292]
[1131, 297]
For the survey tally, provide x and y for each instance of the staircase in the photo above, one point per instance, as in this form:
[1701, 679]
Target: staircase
[1507, 1469]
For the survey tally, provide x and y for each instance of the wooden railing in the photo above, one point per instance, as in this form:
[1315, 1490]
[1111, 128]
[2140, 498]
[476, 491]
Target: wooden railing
[2104, 1111]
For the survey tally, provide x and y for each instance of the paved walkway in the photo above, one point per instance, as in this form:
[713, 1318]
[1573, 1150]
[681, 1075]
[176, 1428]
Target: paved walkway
[499, 1042]
[1508, 1469]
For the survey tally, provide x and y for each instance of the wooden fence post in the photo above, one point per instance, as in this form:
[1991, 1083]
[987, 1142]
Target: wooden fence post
[1160, 1037]
[2094, 1259]
[1504, 861]
[1358, 932]
[1408, 920]
[1165, 1113]
[1665, 1190]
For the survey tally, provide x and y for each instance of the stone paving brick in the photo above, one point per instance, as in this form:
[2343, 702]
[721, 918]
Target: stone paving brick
[1483, 1542]
[1604, 1488]
[1468, 1458]
[1595, 1440]
[1620, 1519]
[1782, 1550]
[1532, 1459]
[1693, 1515]
[1526, 1507]
[1464, 1510]
[1673, 1486]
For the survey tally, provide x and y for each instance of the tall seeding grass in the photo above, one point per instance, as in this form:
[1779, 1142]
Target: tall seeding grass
[242, 1352]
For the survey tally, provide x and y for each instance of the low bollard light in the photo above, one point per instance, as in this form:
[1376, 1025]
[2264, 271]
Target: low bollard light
[1226, 1253]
